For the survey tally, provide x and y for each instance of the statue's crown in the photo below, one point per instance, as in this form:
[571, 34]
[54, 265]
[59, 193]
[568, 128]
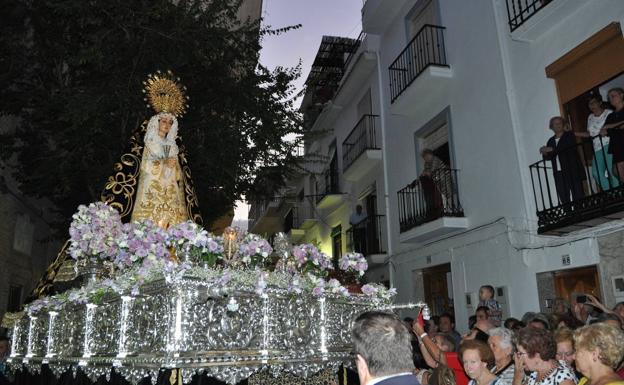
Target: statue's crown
[164, 93]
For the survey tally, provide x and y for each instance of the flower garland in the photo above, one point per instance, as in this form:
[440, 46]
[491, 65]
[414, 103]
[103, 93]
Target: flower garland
[142, 252]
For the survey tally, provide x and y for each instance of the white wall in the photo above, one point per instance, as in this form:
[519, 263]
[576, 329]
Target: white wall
[494, 81]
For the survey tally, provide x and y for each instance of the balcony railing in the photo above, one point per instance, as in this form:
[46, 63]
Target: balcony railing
[366, 237]
[519, 11]
[363, 137]
[259, 208]
[575, 188]
[327, 184]
[424, 50]
[353, 51]
[297, 216]
[429, 198]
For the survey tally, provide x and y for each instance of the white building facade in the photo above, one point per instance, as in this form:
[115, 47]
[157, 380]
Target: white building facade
[476, 82]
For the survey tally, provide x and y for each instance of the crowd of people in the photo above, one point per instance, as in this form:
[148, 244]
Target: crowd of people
[605, 128]
[577, 344]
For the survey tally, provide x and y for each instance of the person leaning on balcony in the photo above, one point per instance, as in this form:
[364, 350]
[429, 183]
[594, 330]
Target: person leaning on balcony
[566, 163]
[614, 128]
[435, 176]
[602, 165]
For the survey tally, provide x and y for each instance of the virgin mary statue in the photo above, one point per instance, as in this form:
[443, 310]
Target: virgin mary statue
[152, 179]
[160, 192]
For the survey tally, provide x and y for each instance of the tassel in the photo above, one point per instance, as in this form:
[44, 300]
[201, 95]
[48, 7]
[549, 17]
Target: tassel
[174, 377]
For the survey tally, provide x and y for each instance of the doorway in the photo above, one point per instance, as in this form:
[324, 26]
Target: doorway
[566, 285]
[438, 285]
[336, 236]
[584, 280]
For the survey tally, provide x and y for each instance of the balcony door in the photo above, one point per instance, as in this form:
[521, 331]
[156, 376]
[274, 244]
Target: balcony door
[437, 140]
[424, 12]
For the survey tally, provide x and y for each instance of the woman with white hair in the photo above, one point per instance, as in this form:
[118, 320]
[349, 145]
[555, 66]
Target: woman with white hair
[160, 192]
[501, 343]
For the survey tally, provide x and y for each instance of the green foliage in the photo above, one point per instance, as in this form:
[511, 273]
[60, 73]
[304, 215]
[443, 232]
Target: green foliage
[72, 71]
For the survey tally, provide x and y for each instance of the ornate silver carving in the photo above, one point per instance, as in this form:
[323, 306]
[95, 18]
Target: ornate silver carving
[228, 334]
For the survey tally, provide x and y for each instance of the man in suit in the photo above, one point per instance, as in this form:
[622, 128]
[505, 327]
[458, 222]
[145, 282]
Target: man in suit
[567, 167]
[383, 350]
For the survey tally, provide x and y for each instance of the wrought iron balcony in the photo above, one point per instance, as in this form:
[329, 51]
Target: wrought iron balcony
[363, 137]
[519, 11]
[429, 198]
[328, 189]
[367, 237]
[300, 217]
[424, 50]
[263, 214]
[574, 189]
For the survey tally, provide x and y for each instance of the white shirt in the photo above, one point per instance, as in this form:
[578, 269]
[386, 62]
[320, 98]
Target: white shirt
[594, 124]
[379, 379]
[357, 218]
[557, 156]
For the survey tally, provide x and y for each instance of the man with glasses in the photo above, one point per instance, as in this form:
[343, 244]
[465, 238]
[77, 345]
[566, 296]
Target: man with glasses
[383, 350]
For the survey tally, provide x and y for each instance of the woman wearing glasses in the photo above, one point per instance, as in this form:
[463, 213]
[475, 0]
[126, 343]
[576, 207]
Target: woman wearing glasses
[565, 346]
[536, 353]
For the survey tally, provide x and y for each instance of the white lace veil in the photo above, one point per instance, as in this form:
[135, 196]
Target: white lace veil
[152, 137]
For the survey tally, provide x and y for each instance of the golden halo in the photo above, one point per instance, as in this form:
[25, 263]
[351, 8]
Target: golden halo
[165, 94]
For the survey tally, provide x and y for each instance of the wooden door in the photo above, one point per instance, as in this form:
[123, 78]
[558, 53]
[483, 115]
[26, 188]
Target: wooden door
[581, 281]
[436, 288]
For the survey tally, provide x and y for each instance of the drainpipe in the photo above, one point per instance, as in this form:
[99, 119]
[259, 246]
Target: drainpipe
[384, 151]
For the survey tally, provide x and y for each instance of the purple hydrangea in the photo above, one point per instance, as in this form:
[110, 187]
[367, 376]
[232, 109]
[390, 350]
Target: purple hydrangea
[309, 258]
[353, 262]
[143, 245]
[253, 250]
[369, 290]
[94, 232]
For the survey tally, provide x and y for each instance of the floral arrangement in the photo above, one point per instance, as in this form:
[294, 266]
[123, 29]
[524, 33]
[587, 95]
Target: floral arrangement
[376, 290]
[254, 250]
[190, 239]
[309, 259]
[353, 263]
[142, 252]
[94, 232]
[141, 243]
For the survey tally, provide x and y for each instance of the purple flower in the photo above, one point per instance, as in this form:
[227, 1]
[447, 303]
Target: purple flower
[253, 250]
[94, 232]
[369, 290]
[353, 262]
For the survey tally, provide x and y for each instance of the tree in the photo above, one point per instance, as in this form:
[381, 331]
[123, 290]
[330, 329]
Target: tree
[72, 71]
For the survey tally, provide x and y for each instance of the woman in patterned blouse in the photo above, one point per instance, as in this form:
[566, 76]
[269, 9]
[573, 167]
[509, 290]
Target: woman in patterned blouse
[536, 352]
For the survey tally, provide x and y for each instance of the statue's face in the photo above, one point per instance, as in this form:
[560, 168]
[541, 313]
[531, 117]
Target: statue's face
[164, 125]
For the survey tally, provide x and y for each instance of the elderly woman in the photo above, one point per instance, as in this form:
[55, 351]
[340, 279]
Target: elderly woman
[478, 361]
[501, 343]
[536, 352]
[565, 346]
[599, 350]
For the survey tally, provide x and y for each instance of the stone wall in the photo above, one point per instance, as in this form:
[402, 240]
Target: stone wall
[611, 248]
